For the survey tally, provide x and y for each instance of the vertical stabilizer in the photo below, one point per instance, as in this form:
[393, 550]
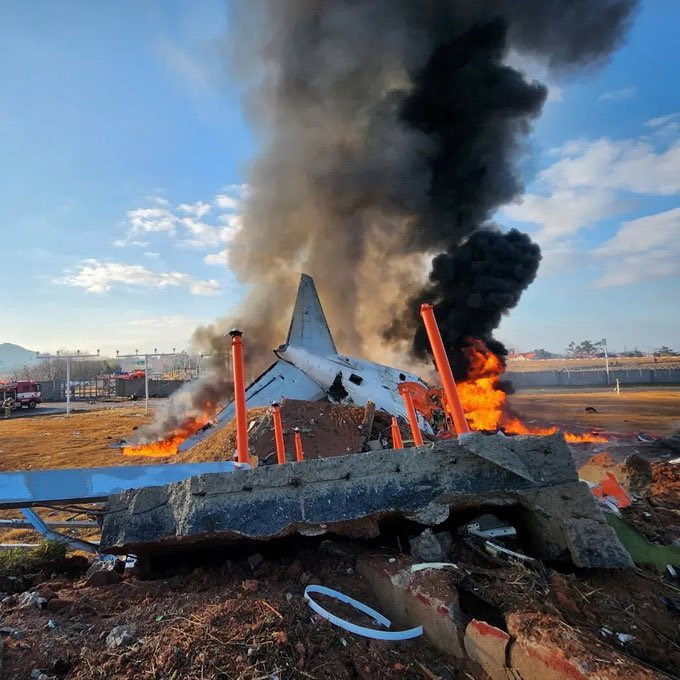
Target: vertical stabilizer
[308, 327]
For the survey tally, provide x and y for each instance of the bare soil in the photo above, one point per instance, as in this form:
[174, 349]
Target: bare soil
[223, 622]
[229, 620]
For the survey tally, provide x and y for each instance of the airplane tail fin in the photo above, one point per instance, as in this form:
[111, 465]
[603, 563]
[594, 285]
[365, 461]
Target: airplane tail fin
[308, 327]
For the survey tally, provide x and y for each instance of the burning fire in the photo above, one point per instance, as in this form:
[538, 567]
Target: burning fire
[485, 402]
[169, 446]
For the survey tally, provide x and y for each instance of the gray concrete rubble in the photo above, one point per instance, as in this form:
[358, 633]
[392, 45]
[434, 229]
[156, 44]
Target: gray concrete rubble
[529, 480]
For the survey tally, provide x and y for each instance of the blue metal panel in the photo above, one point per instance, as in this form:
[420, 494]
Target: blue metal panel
[24, 489]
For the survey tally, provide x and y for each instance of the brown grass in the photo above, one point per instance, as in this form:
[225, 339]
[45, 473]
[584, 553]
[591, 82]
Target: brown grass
[651, 411]
[522, 365]
[80, 440]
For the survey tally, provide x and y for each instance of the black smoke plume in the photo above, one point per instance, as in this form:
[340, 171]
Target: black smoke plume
[390, 132]
[472, 287]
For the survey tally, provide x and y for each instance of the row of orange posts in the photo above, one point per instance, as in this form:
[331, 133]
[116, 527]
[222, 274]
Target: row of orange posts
[443, 369]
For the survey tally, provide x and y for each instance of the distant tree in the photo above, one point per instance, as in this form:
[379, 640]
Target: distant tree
[634, 353]
[543, 354]
[665, 352]
[48, 370]
[585, 348]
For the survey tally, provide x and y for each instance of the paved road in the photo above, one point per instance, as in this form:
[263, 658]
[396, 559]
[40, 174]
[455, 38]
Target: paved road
[59, 407]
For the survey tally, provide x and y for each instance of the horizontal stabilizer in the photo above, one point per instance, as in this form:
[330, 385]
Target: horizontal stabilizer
[279, 380]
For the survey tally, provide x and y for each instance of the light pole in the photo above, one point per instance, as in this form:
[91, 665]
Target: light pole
[146, 369]
[606, 358]
[68, 358]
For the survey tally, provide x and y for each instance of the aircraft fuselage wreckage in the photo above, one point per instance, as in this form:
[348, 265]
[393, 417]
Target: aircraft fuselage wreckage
[309, 368]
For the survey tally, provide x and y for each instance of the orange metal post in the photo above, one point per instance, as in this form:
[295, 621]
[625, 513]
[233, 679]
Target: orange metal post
[444, 369]
[299, 454]
[412, 417]
[239, 396]
[278, 434]
[397, 441]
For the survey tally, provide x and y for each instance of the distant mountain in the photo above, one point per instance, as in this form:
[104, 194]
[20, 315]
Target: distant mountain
[14, 356]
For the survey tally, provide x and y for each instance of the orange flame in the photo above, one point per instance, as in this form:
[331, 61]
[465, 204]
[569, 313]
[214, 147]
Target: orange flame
[169, 445]
[485, 403]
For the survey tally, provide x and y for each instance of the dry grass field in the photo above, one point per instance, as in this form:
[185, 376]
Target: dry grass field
[84, 439]
[650, 411]
[80, 440]
[522, 365]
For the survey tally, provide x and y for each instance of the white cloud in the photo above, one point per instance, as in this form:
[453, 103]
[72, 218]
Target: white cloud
[152, 254]
[200, 234]
[644, 233]
[618, 95]
[564, 212]
[187, 224]
[643, 249]
[198, 209]
[664, 121]
[629, 165]
[227, 202]
[123, 242]
[149, 220]
[594, 180]
[221, 258]
[664, 126]
[158, 200]
[233, 224]
[99, 277]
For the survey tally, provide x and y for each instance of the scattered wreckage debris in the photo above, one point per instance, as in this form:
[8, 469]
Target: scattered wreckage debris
[325, 430]
[308, 367]
[247, 616]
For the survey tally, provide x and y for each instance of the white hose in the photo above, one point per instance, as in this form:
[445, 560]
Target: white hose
[360, 606]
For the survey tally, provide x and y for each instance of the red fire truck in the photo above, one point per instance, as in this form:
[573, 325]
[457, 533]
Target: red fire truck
[23, 392]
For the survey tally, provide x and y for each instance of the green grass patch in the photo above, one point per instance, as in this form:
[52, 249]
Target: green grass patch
[640, 548]
[21, 568]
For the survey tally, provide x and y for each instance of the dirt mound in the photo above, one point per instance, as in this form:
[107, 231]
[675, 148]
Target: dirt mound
[327, 430]
[665, 487]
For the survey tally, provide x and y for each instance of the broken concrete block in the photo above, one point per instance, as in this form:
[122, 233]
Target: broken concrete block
[424, 598]
[533, 477]
[121, 636]
[542, 649]
[431, 547]
[487, 645]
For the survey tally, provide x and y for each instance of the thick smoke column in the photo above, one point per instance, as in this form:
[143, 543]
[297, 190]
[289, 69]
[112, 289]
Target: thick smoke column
[389, 133]
[390, 130]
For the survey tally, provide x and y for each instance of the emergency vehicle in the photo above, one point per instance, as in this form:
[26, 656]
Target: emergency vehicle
[24, 393]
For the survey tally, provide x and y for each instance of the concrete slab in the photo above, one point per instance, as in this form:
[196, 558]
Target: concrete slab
[349, 495]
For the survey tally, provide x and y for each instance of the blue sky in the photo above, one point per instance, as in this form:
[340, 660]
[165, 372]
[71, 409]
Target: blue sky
[124, 158]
